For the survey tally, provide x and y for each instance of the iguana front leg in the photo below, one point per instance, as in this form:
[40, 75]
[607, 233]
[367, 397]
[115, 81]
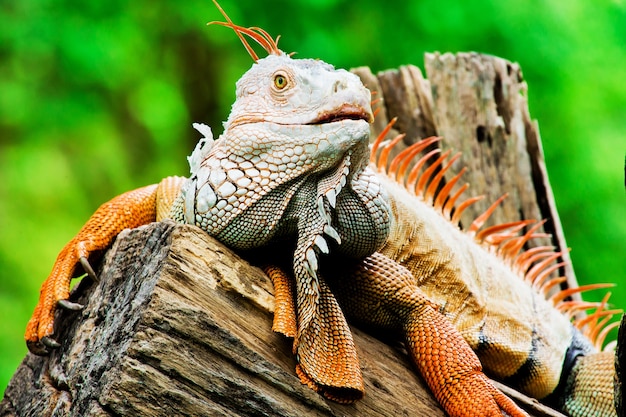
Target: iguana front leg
[323, 344]
[327, 358]
[128, 210]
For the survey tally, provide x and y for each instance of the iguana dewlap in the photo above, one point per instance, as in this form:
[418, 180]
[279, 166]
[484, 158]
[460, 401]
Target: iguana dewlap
[293, 165]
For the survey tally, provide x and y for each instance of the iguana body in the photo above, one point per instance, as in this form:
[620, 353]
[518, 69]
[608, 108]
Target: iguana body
[292, 168]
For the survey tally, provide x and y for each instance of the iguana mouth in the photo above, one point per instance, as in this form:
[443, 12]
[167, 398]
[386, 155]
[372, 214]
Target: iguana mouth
[345, 112]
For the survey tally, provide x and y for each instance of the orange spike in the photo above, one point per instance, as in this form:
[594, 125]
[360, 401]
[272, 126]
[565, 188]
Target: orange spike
[596, 329]
[535, 271]
[447, 208]
[525, 238]
[604, 333]
[531, 267]
[461, 208]
[395, 161]
[428, 173]
[563, 294]
[542, 283]
[591, 324]
[404, 160]
[593, 318]
[508, 249]
[545, 288]
[512, 227]
[517, 246]
[235, 28]
[570, 308]
[380, 139]
[259, 35]
[272, 45]
[581, 323]
[401, 162]
[384, 154]
[375, 112]
[434, 184]
[539, 235]
[480, 220]
[525, 259]
[510, 242]
[405, 157]
[445, 191]
[502, 241]
[414, 174]
[375, 101]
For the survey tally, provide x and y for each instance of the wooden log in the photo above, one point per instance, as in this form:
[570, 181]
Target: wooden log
[180, 325]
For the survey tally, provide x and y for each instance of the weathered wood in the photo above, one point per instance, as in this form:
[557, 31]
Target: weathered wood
[179, 325]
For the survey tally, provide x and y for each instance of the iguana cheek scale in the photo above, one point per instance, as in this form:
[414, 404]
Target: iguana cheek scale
[293, 163]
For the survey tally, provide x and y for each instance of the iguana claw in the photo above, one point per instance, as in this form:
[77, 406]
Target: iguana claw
[68, 305]
[84, 262]
[50, 342]
[42, 347]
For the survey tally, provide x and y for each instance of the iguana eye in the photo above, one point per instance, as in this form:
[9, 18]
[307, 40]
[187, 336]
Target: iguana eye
[280, 81]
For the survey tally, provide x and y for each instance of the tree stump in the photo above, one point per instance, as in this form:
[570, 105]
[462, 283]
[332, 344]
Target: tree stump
[180, 325]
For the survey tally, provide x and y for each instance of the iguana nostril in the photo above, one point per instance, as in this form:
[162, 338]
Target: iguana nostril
[338, 86]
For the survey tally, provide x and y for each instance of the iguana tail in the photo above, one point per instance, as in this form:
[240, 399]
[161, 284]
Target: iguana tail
[588, 388]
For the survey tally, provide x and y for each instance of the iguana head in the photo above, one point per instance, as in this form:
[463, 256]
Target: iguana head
[294, 92]
[287, 91]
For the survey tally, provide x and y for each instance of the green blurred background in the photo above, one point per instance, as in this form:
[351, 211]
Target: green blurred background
[97, 98]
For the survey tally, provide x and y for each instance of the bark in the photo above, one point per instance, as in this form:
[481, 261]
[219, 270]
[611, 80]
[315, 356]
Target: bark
[180, 325]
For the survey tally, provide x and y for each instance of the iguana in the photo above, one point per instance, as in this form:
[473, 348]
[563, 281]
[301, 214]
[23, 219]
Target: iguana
[373, 239]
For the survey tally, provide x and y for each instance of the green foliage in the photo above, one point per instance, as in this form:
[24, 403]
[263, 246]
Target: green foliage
[97, 98]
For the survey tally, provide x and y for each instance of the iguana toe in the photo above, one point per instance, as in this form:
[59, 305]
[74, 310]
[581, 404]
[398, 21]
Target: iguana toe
[36, 347]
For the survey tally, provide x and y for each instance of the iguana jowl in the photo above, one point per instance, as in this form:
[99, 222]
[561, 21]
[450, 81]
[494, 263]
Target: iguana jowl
[293, 164]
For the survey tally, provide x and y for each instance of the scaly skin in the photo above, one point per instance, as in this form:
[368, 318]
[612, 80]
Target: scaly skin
[292, 165]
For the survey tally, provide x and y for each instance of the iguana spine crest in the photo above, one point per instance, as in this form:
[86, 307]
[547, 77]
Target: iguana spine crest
[535, 265]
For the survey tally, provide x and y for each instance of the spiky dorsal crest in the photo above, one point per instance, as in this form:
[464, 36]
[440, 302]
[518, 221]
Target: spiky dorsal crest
[536, 266]
[260, 36]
